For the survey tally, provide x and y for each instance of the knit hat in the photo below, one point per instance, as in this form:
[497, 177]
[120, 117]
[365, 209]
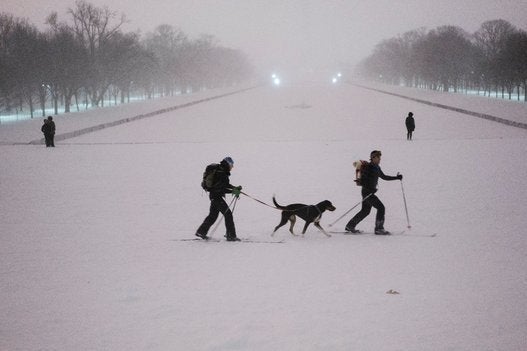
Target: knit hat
[229, 161]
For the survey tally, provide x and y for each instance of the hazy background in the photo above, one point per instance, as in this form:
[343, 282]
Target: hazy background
[302, 34]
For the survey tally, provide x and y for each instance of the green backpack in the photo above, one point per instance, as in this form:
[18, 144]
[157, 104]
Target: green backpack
[208, 176]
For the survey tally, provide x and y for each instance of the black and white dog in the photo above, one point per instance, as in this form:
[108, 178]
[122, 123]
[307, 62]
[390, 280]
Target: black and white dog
[309, 213]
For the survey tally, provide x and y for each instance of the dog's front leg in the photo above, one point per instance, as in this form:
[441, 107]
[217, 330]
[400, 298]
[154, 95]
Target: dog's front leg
[317, 224]
[305, 227]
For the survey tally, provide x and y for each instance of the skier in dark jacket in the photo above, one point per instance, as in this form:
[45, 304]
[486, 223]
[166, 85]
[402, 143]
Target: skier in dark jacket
[410, 125]
[368, 181]
[220, 187]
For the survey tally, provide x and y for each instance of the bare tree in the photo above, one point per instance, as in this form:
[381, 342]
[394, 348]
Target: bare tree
[23, 59]
[70, 61]
[490, 38]
[168, 44]
[123, 57]
[514, 61]
[7, 25]
[409, 40]
[94, 27]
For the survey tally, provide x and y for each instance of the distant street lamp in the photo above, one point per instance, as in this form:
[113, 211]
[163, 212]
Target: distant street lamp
[54, 96]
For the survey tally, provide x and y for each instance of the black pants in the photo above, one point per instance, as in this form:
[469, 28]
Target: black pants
[409, 135]
[218, 205]
[372, 201]
[50, 140]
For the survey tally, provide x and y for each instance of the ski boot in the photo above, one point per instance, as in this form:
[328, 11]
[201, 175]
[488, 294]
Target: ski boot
[232, 238]
[352, 231]
[202, 236]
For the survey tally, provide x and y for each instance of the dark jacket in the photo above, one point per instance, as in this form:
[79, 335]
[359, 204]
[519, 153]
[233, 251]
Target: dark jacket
[52, 127]
[370, 177]
[47, 129]
[410, 123]
[221, 184]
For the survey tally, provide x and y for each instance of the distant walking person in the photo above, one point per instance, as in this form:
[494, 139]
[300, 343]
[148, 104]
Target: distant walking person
[410, 125]
[369, 177]
[49, 131]
[216, 182]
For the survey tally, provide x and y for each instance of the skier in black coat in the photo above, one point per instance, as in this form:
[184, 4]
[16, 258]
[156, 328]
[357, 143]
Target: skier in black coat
[410, 125]
[368, 181]
[220, 187]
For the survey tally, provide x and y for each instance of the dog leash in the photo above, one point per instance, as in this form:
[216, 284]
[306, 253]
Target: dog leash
[260, 201]
[276, 208]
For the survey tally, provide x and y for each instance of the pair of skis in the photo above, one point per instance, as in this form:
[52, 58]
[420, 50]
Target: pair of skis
[258, 241]
[242, 240]
[403, 232]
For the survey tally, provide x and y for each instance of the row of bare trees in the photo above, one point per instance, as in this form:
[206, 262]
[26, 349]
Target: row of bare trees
[493, 59]
[90, 58]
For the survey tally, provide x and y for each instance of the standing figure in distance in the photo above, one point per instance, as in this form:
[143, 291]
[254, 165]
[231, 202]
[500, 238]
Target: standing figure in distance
[47, 130]
[410, 125]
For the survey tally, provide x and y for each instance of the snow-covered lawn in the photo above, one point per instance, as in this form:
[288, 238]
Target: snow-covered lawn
[90, 257]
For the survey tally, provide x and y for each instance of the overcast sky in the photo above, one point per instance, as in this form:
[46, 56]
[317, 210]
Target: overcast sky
[277, 34]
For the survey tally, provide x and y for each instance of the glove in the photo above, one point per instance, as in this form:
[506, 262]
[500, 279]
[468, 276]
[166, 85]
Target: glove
[399, 176]
[236, 191]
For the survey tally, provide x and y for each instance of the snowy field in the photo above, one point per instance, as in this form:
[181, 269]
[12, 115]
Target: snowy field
[90, 257]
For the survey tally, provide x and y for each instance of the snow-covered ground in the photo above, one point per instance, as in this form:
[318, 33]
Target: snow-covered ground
[90, 257]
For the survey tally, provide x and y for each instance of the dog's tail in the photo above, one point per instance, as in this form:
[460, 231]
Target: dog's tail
[277, 205]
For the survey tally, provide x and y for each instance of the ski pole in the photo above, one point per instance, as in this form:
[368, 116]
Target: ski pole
[405, 207]
[351, 209]
[222, 216]
[234, 206]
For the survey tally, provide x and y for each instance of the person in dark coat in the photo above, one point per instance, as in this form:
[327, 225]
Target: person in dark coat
[51, 131]
[368, 180]
[410, 125]
[220, 187]
[46, 129]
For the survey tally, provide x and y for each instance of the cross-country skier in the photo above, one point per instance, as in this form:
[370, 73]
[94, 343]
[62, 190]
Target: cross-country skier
[219, 188]
[368, 180]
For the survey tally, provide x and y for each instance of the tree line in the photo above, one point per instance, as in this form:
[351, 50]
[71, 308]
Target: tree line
[89, 59]
[493, 60]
